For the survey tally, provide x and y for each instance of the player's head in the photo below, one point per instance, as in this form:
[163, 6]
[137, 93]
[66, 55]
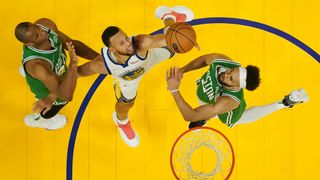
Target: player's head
[117, 41]
[30, 34]
[237, 78]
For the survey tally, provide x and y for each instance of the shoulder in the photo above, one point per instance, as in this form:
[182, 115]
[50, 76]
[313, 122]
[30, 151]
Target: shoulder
[38, 68]
[236, 96]
[142, 41]
[225, 63]
[47, 23]
[222, 105]
[228, 101]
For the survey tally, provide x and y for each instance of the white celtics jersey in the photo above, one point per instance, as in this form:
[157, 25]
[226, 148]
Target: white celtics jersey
[129, 74]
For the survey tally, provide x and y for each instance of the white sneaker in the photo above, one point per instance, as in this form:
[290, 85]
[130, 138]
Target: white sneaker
[181, 13]
[22, 72]
[296, 97]
[35, 120]
[127, 133]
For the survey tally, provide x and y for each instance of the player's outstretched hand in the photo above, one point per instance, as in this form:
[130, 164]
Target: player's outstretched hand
[72, 53]
[174, 77]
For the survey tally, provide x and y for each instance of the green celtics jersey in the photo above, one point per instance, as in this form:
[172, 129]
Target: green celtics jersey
[56, 57]
[209, 88]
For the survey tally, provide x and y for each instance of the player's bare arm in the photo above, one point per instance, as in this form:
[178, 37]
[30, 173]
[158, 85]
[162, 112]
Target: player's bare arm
[224, 104]
[202, 61]
[82, 50]
[145, 42]
[62, 88]
[96, 66]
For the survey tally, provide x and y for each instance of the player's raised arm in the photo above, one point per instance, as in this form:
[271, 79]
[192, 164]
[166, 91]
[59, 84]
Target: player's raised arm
[202, 61]
[82, 49]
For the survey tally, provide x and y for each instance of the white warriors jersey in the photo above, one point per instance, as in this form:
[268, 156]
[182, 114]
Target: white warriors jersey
[129, 74]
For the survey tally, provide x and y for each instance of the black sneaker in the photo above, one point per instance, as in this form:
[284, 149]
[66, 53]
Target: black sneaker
[197, 124]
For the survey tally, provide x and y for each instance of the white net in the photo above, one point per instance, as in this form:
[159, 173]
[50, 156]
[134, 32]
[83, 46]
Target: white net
[184, 165]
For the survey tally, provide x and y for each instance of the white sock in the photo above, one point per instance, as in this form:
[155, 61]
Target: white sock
[254, 113]
[169, 16]
[123, 122]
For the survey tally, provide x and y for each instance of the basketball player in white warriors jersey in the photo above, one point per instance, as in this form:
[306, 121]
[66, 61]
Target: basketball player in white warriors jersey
[127, 59]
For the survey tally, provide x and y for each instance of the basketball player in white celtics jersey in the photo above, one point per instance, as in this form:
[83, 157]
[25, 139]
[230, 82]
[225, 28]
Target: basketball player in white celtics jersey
[220, 92]
[127, 59]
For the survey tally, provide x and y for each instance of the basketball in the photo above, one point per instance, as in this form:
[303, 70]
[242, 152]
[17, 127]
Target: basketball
[181, 37]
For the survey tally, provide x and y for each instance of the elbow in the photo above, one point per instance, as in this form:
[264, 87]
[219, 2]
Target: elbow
[66, 98]
[193, 117]
[69, 99]
[189, 118]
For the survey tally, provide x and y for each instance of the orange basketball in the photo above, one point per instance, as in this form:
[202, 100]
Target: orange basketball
[181, 37]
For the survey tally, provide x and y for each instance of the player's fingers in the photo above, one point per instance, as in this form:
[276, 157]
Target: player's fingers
[172, 72]
[167, 74]
[176, 71]
[45, 110]
[68, 45]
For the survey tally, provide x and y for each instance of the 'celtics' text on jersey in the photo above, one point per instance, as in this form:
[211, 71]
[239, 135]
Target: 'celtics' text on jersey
[209, 88]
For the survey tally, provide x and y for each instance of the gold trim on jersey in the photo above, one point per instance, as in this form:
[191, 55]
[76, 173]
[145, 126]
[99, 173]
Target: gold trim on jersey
[131, 75]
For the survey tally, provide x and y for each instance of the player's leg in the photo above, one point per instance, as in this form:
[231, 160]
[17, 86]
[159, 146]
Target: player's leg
[122, 108]
[51, 120]
[254, 113]
[125, 101]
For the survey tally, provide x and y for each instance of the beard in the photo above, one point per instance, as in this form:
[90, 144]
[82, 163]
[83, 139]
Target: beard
[221, 82]
[127, 53]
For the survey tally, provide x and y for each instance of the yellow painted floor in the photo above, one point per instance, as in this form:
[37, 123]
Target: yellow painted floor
[282, 146]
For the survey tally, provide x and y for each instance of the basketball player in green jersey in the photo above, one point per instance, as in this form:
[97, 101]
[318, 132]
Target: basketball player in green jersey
[220, 92]
[46, 72]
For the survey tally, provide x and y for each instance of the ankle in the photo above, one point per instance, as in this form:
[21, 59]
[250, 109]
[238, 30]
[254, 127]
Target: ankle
[122, 119]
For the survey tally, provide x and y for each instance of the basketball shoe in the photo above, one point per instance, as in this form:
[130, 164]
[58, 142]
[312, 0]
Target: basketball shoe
[179, 13]
[127, 133]
[295, 97]
[35, 120]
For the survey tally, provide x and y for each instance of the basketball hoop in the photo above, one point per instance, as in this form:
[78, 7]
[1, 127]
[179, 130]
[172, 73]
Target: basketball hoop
[200, 142]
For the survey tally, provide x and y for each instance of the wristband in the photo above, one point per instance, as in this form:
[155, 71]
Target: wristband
[174, 90]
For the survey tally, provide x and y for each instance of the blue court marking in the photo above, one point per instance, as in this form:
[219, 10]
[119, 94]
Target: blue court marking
[223, 20]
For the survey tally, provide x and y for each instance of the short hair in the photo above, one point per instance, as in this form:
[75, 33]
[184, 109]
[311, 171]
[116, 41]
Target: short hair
[21, 30]
[253, 77]
[108, 33]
